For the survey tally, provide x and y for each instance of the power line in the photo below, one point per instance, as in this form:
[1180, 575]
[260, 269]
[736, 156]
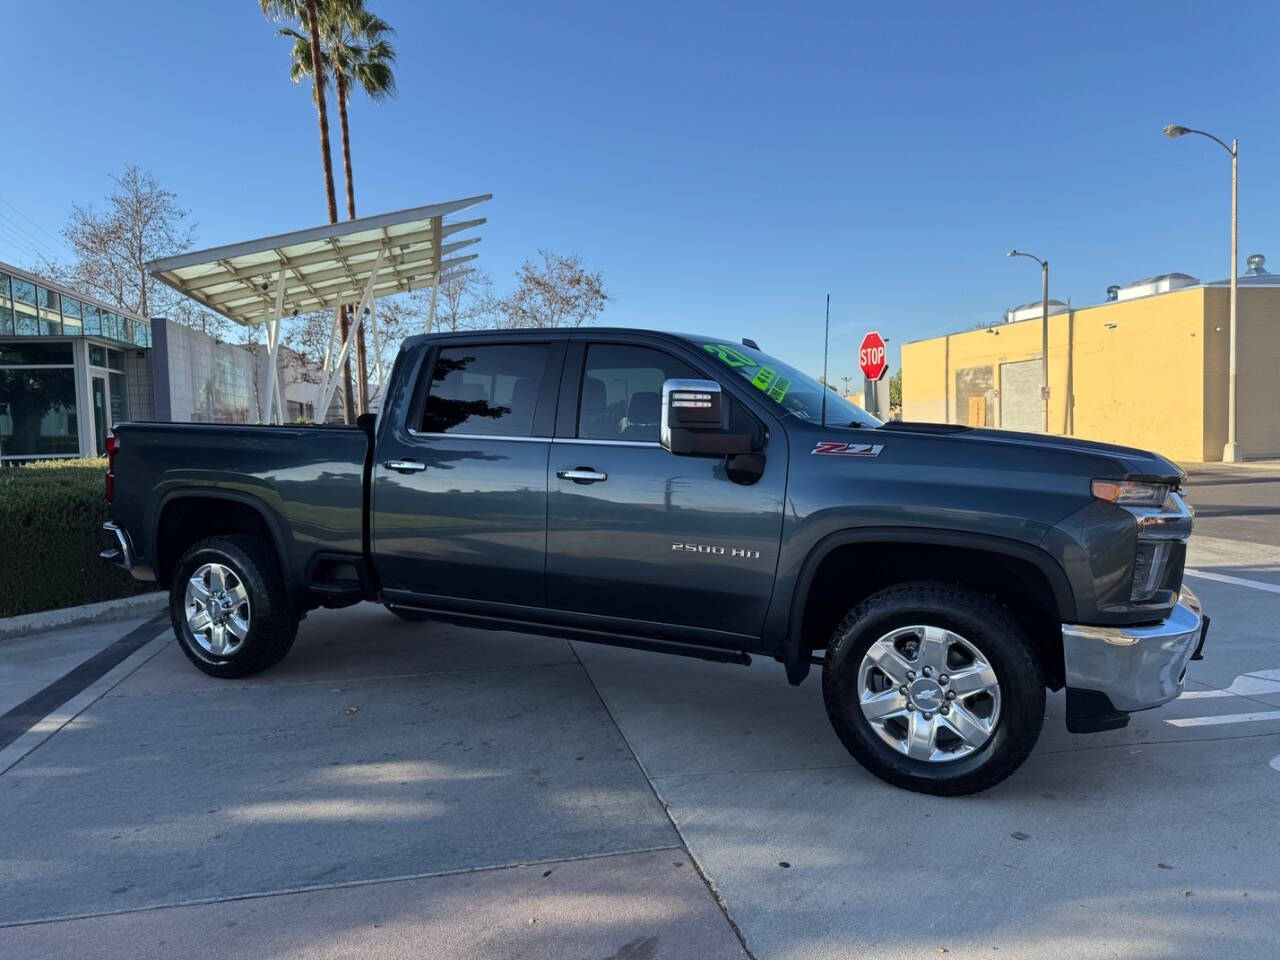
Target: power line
[57, 240]
[18, 243]
[24, 237]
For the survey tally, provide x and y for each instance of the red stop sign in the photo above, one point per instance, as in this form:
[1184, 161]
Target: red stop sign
[871, 356]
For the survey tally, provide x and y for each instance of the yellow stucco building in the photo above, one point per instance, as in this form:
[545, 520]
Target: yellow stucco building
[1148, 369]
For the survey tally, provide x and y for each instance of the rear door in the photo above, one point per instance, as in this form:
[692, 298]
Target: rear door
[640, 535]
[460, 475]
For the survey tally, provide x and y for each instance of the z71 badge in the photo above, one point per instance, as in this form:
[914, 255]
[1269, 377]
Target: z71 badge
[834, 448]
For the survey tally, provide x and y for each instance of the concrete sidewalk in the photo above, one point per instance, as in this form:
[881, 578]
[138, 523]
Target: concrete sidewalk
[374, 795]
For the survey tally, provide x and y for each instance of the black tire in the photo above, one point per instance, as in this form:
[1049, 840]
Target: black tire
[273, 622]
[981, 621]
[406, 614]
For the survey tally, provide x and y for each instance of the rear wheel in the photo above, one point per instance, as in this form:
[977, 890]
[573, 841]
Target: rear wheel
[229, 607]
[934, 688]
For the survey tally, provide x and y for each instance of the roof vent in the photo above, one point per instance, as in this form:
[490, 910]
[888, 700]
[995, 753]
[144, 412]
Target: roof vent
[1035, 310]
[1113, 292]
[1257, 266]
[1159, 284]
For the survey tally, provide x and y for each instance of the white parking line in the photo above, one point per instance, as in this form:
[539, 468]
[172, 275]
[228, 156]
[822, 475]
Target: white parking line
[1236, 581]
[1245, 685]
[1225, 718]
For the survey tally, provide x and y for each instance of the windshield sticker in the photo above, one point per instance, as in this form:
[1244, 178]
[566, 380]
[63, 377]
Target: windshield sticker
[729, 356]
[766, 379]
[834, 448]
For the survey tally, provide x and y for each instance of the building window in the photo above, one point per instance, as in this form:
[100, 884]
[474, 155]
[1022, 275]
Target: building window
[38, 413]
[119, 399]
[35, 354]
[300, 412]
[49, 307]
[92, 320]
[70, 316]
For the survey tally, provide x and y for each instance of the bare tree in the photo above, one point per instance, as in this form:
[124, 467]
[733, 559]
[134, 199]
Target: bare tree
[559, 293]
[142, 222]
[463, 302]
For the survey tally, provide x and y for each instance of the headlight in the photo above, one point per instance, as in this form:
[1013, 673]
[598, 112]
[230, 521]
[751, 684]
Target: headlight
[1131, 493]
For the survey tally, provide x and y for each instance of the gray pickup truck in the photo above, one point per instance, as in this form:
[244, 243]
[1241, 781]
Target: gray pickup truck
[687, 495]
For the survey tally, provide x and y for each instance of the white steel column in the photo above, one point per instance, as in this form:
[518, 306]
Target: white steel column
[377, 347]
[273, 346]
[331, 381]
[436, 257]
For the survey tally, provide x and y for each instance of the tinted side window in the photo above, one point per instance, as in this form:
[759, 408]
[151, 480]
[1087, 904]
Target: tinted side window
[489, 390]
[621, 395]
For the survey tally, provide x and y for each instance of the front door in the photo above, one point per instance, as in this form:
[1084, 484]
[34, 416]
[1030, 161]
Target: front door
[638, 534]
[460, 482]
[101, 421]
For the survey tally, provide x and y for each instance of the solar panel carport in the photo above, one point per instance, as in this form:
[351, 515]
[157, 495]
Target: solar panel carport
[258, 282]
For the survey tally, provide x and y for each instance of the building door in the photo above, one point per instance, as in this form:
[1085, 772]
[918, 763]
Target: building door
[1020, 404]
[101, 421]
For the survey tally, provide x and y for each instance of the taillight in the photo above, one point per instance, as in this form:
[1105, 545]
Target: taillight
[113, 447]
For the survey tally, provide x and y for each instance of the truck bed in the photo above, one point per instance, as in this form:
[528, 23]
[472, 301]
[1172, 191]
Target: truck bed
[306, 482]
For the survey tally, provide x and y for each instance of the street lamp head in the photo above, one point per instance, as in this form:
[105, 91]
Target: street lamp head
[1173, 131]
[1012, 253]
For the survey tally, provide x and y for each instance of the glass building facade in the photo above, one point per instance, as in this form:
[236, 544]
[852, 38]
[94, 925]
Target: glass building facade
[65, 369]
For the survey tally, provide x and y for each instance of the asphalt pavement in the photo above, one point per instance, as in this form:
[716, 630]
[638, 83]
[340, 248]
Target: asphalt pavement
[396, 789]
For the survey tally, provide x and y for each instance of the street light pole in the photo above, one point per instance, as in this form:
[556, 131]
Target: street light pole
[1231, 450]
[1044, 331]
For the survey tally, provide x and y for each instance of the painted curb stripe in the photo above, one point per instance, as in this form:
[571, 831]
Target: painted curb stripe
[38, 706]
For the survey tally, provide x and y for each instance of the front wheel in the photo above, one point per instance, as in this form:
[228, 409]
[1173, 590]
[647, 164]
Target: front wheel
[229, 607]
[934, 688]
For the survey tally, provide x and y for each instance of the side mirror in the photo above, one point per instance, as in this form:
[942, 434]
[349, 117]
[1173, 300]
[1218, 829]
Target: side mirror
[694, 422]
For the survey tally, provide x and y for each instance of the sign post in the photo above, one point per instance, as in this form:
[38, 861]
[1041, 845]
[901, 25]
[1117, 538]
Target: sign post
[873, 359]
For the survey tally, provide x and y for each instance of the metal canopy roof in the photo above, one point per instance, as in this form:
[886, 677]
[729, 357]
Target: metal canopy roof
[326, 266]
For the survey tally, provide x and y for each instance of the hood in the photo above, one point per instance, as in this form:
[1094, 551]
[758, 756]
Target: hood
[1131, 463]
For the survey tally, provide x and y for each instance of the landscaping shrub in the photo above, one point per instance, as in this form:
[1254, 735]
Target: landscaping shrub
[51, 516]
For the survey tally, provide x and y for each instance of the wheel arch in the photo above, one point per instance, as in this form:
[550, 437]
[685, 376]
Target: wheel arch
[178, 525]
[876, 557]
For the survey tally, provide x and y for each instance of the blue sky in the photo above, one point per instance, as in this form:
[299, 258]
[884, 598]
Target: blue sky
[724, 165]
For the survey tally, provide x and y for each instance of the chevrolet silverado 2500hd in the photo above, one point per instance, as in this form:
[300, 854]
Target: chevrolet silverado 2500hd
[689, 495]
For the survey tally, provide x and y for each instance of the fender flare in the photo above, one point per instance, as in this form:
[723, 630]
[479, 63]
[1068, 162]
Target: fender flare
[796, 655]
[217, 493]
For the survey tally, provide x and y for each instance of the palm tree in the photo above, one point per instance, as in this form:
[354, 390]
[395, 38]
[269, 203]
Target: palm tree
[355, 46]
[306, 13]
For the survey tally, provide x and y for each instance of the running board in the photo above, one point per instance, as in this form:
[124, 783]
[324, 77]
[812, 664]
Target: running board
[713, 654]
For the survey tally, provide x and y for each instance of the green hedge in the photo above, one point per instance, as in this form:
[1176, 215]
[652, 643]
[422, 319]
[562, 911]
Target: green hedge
[51, 516]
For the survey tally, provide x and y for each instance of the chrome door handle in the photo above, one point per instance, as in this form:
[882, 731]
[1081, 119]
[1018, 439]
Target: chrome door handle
[405, 466]
[582, 475]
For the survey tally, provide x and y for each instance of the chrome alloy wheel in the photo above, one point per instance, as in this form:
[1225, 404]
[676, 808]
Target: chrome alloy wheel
[929, 693]
[217, 606]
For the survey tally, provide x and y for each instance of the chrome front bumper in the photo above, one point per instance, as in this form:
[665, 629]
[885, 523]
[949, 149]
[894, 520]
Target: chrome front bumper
[1134, 667]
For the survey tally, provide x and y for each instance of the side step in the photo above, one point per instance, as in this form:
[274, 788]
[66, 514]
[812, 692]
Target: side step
[714, 654]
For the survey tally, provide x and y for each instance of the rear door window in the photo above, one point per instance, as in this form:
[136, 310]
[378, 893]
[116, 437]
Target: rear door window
[485, 390]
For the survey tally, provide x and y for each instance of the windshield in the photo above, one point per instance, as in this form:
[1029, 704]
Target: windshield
[796, 393]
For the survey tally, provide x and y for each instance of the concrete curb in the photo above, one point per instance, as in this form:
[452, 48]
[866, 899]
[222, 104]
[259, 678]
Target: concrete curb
[135, 606]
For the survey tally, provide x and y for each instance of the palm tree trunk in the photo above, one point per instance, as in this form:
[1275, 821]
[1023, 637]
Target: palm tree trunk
[326, 159]
[362, 363]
